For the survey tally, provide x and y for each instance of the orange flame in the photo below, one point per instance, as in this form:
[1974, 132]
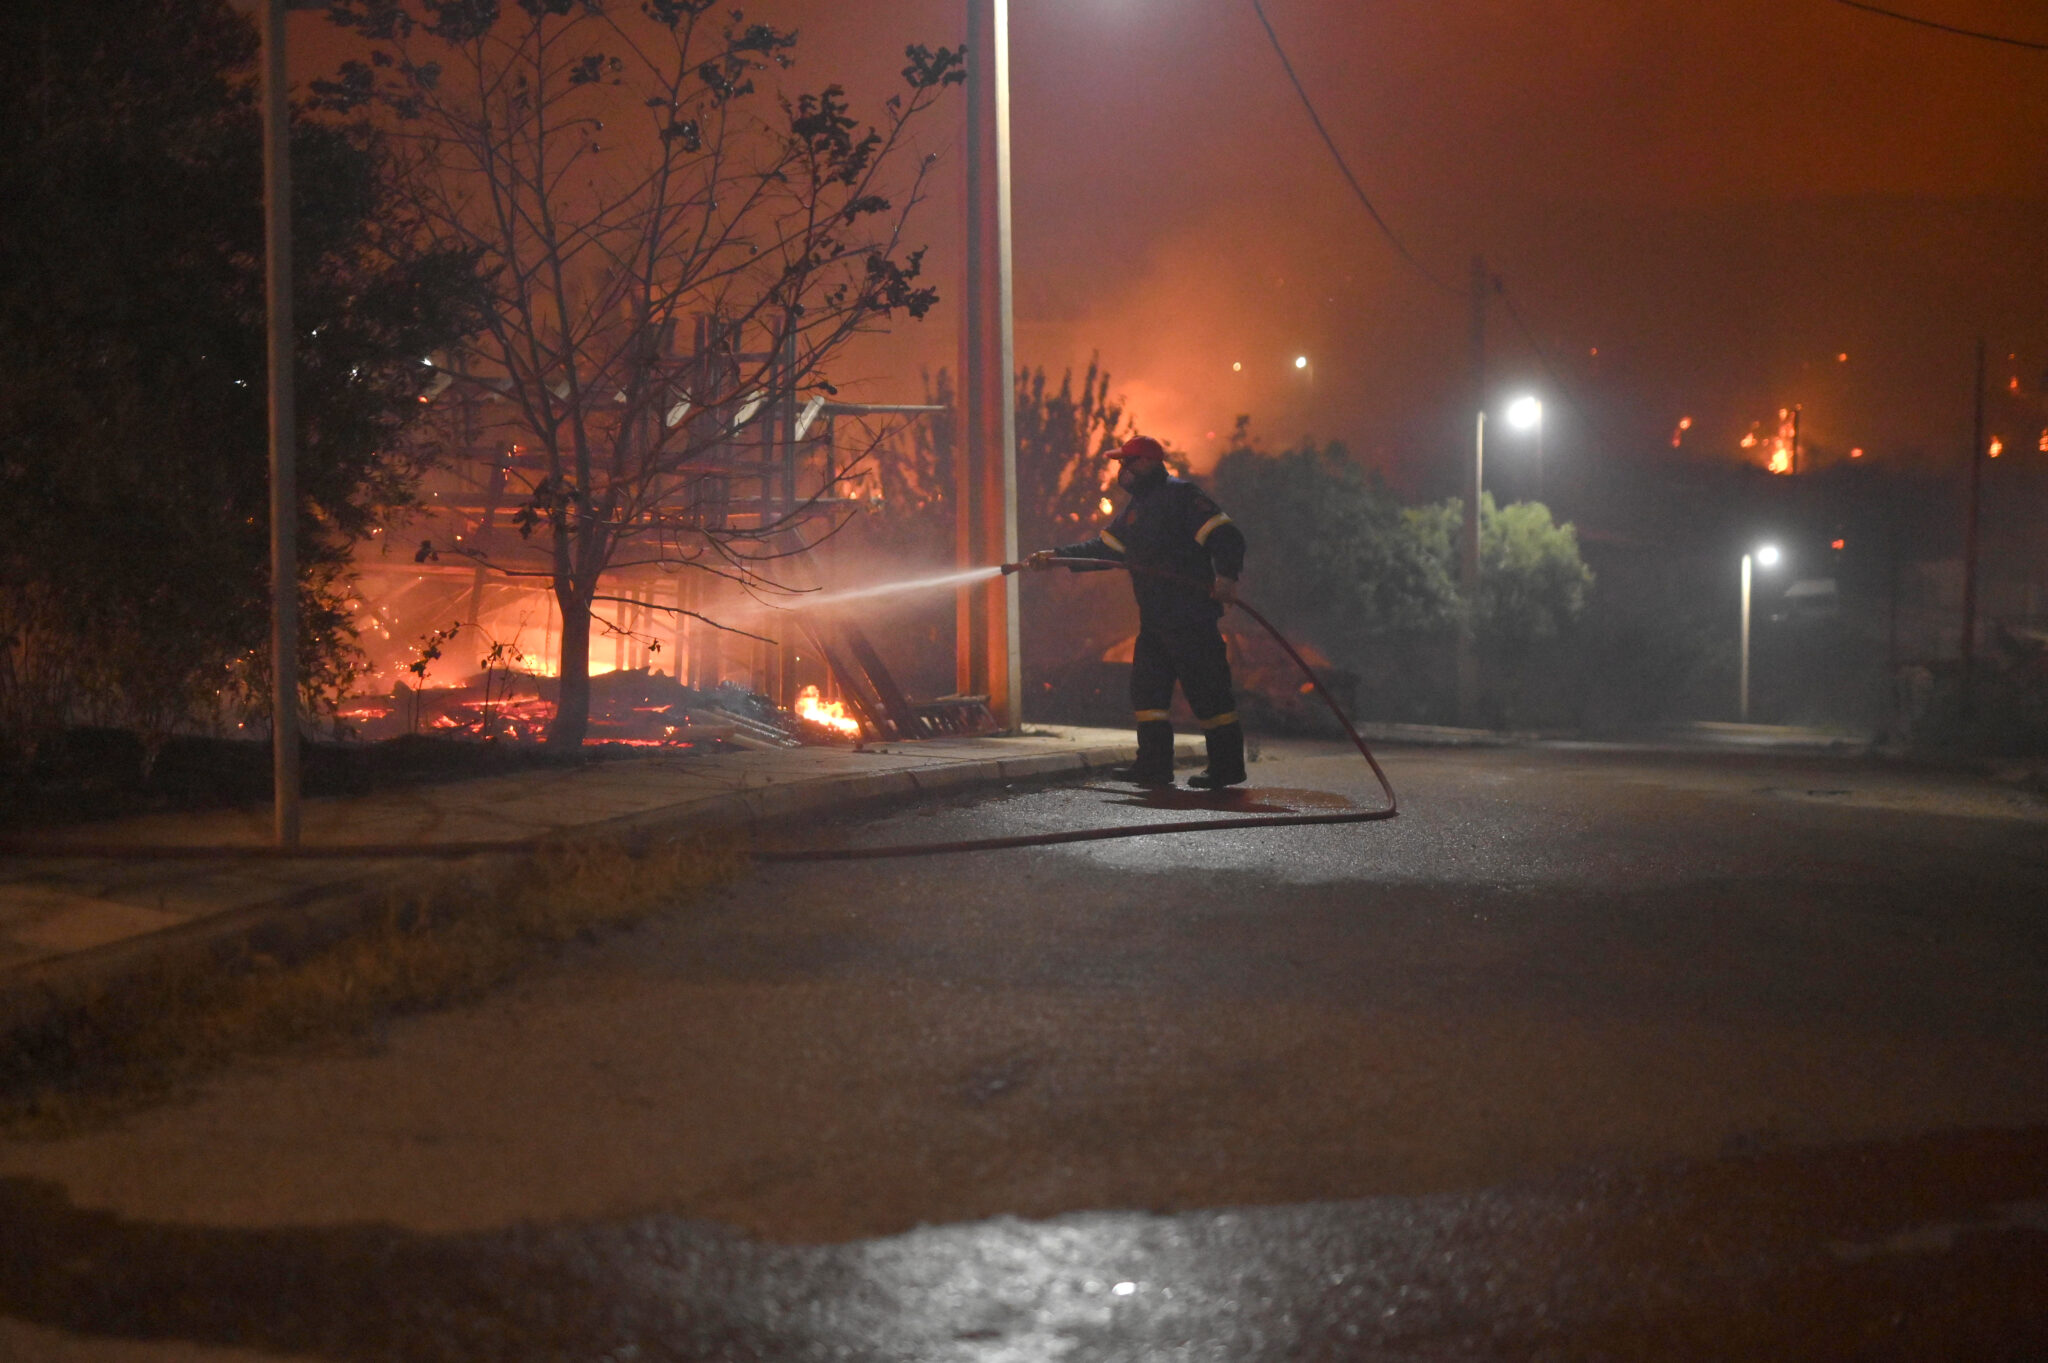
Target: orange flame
[831, 714]
[1997, 447]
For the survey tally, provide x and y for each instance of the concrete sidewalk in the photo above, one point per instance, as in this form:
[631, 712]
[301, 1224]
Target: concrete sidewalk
[77, 914]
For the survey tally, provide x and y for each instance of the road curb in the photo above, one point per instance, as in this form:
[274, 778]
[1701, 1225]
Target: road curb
[38, 996]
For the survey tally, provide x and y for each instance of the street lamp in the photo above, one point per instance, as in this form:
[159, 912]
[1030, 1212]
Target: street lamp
[1525, 413]
[1765, 556]
[987, 641]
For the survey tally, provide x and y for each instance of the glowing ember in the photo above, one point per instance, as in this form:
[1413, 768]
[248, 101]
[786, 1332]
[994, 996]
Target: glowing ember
[1781, 459]
[1997, 447]
[831, 714]
[1106, 506]
[1856, 453]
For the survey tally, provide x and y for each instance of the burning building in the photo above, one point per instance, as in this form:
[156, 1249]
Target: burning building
[740, 476]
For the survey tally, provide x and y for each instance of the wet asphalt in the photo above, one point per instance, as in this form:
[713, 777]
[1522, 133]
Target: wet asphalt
[1591, 1054]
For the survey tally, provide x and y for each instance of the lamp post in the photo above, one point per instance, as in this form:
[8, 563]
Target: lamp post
[284, 495]
[987, 650]
[1766, 555]
[1525, 413]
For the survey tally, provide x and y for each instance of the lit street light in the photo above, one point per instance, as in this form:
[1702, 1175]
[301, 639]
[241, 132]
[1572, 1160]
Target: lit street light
[1766, 555]
[1525, 413]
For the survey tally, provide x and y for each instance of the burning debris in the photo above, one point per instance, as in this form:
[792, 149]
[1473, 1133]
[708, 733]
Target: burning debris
[636, 708]
[828, 714]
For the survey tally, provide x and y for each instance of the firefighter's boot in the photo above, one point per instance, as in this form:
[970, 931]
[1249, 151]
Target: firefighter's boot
[1226, 758]
[1154, 766]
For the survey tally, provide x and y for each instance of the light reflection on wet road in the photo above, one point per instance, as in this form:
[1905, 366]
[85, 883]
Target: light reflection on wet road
[1589, 1055]
[1936, 1249]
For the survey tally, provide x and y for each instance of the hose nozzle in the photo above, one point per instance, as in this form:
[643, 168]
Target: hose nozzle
[1009, 568]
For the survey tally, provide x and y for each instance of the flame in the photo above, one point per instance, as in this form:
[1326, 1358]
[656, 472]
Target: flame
[1997, 447]
[1856, 453]
[831, 714]
[1781, 450]
[1106, 506]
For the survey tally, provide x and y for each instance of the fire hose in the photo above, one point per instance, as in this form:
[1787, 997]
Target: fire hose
[126, 852]
[1143, 830]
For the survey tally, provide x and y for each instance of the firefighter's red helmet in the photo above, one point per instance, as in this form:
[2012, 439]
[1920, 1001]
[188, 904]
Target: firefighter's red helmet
[1140, 447]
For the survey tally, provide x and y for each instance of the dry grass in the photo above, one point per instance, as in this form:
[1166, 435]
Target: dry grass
[458, 932]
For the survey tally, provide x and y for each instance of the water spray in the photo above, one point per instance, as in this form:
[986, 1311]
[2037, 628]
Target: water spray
[943, 581]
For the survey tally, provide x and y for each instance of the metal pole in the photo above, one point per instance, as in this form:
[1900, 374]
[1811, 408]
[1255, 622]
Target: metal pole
[284, 499]
[1969, 649]
[988, 647]
[1468, 556]
[1742, 707]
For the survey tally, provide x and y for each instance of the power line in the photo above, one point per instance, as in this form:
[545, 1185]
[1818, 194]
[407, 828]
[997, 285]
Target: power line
[1557, 378]
[1386, 229]
[1945, 28]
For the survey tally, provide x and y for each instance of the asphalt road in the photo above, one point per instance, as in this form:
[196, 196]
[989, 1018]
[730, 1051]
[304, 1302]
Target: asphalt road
[1590, 1054]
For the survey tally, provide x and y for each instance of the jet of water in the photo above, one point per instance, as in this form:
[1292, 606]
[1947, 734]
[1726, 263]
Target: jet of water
[822, 600]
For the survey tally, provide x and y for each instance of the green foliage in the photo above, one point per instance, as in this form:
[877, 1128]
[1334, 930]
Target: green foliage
[133, 446]
[1332, 550]
[1336, 557]
[1532, 583]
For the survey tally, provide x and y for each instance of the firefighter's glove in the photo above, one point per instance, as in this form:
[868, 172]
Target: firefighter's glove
[1041, 560]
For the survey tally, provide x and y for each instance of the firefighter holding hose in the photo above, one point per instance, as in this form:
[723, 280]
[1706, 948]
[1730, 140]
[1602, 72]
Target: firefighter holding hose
[1185, 557]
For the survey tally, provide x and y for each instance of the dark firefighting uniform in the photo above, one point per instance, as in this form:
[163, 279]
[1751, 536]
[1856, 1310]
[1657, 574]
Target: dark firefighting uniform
[1171, 527]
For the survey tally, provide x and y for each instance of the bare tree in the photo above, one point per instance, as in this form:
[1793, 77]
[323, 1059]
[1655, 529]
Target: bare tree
[622, 171]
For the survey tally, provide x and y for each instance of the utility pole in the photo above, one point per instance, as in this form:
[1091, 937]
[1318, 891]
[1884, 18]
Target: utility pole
[986, 640]
[284, 497]
[1969, 649]
[1468, 537]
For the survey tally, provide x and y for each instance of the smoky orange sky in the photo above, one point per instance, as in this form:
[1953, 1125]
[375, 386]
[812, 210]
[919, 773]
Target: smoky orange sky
[1721, 196]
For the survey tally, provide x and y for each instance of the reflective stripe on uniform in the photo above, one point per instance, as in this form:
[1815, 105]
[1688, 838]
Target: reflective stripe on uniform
[1152, 716]
[1112, 541]
[1209, 528]
[1218, 721]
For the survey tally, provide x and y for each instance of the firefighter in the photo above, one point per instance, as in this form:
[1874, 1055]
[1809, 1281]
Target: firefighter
[1186, 556]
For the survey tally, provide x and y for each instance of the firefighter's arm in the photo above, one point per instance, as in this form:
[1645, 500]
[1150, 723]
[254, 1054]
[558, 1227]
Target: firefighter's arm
[1105, 545]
